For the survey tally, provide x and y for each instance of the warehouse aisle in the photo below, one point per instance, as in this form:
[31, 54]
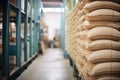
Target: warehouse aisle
[50, 66]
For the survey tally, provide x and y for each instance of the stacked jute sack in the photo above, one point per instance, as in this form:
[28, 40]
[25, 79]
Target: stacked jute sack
[72, 18]
[98, 37]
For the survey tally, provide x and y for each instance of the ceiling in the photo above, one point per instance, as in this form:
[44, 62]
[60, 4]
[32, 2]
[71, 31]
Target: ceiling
[51, 3]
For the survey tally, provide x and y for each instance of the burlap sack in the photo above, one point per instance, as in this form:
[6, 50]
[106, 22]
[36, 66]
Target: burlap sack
[104, 56]
[88, 25]
[80, 64]
[101, 5]
[103, 15]
[104, 44]
[83, 44]
[117, 1]
[108, 68]
[99, 33]
[109, 78]
[83, 34]
[86, 54]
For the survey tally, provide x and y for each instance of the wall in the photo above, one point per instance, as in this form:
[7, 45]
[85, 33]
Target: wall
[52, 20]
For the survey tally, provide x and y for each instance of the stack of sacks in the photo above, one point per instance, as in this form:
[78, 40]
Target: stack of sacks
[93, 38]
[74, 22]
[80, 39]
[72, 18]
[73, 27]
[99, 40]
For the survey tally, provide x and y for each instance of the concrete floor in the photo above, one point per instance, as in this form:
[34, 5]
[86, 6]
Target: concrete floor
[50, 66]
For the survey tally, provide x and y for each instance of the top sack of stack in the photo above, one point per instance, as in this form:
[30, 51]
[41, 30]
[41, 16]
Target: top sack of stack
[91, 6]
[116, 1]
[101, 10]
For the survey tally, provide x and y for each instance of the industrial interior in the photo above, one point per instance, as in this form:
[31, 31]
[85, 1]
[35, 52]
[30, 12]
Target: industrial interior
[59, 39]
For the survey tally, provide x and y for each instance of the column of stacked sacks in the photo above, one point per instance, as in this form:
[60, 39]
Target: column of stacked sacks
[95, 38]
[72, 18]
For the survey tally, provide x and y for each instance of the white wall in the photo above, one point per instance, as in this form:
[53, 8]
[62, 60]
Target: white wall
[52, 20]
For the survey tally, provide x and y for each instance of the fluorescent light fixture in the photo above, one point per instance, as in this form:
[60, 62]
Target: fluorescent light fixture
[53, 10]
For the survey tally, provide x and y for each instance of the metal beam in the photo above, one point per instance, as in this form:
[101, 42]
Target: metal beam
[37, 23]
[63, 27]
[70, 5]
[25, 32]
[5, 38]
[31, 50]
[34, 40]
[74, 2]
[18, 33]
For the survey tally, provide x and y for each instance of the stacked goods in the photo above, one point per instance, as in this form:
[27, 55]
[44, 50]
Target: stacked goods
[71, 23]
[102, 50]
[72, 29]
[98, 37]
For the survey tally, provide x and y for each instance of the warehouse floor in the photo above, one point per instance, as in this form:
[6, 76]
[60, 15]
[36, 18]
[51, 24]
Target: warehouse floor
[50, 66]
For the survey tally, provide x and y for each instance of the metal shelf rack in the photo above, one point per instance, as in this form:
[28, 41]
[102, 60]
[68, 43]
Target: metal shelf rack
[20, 16]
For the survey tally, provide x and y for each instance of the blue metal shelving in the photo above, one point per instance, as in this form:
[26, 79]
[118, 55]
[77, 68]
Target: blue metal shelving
[20, 17]
[63, 27]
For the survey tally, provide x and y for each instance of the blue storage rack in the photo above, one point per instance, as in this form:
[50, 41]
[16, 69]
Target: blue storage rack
[7, 49]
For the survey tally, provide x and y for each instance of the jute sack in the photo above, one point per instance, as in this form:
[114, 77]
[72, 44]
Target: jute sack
[99, 33]
[104, 56]
[88, 24]
[101, 5]
[84, 43]
[80, 64]
[108, 68]
[104, 44]
[109, 78]
[117, 1]
[83, 34]
[103, 15]
[86, 53]
[86, 76]
[88, 66]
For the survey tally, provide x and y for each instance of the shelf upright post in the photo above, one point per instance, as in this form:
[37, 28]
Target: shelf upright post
[36, 30]
[64, 29]
[5, 38]
[37, 24]
[25, 32]
[61, 29]
[74, 2]
[70, 5]
[18, 31]
[34, 41]
[31, 5]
